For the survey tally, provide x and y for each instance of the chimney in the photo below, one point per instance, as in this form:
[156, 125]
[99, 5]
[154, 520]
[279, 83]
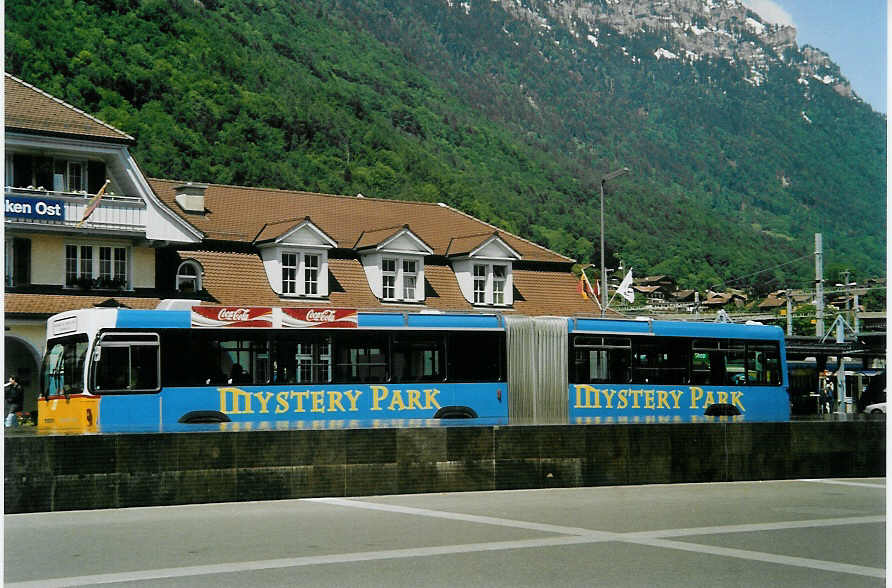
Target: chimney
[190, 197]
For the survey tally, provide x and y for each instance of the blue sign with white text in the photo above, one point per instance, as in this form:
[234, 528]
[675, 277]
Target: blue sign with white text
[35, 208]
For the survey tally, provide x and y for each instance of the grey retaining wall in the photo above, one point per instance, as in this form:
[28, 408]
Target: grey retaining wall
[48, 473]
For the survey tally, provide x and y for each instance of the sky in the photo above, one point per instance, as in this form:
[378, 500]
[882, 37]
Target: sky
[852, 32]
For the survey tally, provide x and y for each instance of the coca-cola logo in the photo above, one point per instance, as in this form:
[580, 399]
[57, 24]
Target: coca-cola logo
[320, 316]
[233, 314]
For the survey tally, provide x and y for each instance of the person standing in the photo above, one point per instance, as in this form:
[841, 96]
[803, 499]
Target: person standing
[15, 396]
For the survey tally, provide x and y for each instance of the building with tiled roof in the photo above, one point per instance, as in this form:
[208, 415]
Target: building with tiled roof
[82, 224]
[350, 237]
[85, 228]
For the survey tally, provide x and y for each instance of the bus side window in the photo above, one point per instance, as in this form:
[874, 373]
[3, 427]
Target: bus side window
[112, 370]
[128, 362]
[475, 357]
[763, 364]
[601, 360]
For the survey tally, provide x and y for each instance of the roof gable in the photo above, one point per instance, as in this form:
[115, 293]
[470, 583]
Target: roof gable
[486, 246]
[394, 240]
[304, 233]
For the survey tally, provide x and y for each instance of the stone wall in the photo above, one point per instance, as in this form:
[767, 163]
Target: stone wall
[50, 473]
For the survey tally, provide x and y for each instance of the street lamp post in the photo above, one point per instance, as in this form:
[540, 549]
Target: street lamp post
[610, 176]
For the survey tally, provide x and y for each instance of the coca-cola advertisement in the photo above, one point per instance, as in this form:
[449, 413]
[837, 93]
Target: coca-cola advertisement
[232, 316]
[302, 318]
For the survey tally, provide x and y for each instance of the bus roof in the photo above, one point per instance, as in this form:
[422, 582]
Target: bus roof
[676, 329]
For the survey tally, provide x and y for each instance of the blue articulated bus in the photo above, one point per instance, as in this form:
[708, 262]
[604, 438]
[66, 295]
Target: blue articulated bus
[109, 369]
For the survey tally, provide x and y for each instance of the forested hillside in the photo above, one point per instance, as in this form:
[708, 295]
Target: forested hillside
[510, 122]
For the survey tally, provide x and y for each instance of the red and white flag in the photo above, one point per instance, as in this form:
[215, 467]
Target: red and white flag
[94, 203]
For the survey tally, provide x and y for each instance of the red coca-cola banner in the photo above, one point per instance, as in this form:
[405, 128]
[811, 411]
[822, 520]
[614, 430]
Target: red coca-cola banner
[302, 318]
[232, 316]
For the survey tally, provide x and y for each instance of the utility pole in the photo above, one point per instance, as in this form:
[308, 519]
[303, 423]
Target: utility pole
[855, 317]
[819, 285]
[604, 179]
[789, 313]
[841, 407]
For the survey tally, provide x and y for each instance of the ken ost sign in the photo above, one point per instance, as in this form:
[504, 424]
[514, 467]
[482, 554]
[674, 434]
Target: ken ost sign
[34, 208]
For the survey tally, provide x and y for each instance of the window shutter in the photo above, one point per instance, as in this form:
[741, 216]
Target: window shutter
[21, 255]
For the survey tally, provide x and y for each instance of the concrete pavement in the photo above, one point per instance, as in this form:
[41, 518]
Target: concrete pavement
[795, 533]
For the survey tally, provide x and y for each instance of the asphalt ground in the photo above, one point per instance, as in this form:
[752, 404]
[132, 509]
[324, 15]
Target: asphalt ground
[792, 533]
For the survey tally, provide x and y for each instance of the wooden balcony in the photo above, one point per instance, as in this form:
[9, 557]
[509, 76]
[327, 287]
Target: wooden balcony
[46, 208]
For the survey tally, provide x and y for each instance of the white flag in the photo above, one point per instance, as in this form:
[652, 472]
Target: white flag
[625, 288]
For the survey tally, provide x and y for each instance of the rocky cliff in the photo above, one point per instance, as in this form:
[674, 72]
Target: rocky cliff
[694, 30]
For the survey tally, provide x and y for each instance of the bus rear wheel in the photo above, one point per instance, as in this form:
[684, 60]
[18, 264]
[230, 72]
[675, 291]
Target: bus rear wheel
[456, 412]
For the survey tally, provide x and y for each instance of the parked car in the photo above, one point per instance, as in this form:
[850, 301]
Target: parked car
[878, 408]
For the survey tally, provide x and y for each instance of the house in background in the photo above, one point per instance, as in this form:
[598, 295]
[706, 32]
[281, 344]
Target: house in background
[724, 300]
[85, 228]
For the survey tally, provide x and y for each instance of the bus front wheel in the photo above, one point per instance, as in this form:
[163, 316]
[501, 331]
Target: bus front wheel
[204, 416]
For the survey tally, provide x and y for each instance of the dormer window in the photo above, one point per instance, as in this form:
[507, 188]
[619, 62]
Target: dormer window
[393, 260]
[399, 278]
[300, 273]
[296, 260]
[489, 283]
[482, 265]
[189, 277]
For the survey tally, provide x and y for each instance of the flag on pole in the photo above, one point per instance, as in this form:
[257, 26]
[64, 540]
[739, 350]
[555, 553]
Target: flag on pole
[592, 292]
[94, 203]
[625, 287]
[585, 289]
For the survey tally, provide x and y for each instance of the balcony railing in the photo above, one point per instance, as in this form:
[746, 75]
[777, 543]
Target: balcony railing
[47, 207]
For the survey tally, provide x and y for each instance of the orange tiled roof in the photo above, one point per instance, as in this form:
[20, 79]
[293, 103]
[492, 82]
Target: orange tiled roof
[47, 304]
[236, 279]
[30, 109]
[240, 214]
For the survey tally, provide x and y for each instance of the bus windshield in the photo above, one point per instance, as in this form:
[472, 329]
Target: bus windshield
[63, 366]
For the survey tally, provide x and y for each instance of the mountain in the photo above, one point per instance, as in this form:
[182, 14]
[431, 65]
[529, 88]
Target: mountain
[742, 145]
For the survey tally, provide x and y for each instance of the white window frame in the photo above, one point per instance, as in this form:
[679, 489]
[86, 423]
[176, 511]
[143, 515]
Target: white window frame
[309, 279]
[410, 278]
[290, 262]
[88, 263]
[184, 278]
[484, 286]
[480, 282]
[311, 273]
[399, 284]
[65, 177]
[499, 283]
[389, 273]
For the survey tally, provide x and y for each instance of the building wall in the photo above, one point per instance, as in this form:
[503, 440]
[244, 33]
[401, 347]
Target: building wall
[48, 258]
